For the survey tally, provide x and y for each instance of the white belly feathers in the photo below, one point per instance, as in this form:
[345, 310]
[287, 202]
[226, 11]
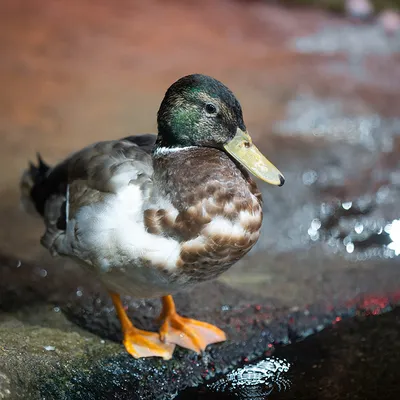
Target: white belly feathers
[112, 234]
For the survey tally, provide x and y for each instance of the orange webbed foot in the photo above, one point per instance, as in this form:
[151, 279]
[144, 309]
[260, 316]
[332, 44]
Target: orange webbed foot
[137, 342]
[185, 332]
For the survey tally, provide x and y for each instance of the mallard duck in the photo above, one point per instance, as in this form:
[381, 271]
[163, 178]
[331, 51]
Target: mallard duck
[152, 215]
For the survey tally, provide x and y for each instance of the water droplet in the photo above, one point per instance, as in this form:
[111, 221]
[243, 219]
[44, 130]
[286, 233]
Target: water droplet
[309, 177]
[347, 205]
[43, 273]
[393, 230]
[19, 263]
[359, 227]
[387, 228]
[56, 309]
[315, 224]
[79, 293]
[314, 235]
[313, 229]
[350, 247]
[395, 247]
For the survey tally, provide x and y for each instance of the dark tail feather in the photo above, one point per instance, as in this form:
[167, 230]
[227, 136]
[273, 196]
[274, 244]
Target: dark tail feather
[31, 180]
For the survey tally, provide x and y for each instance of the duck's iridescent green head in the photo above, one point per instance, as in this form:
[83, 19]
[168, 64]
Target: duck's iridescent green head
[198, 110]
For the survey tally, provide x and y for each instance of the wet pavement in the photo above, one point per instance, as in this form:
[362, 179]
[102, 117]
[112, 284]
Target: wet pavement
[320, 97]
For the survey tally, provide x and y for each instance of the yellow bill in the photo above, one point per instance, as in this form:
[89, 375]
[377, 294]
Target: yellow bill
[246, 153]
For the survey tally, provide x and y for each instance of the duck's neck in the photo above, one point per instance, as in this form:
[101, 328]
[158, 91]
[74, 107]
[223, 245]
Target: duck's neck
[161, 151]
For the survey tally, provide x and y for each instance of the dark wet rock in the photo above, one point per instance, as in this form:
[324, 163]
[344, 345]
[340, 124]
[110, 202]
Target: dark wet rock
[31, 356]
[355, 359]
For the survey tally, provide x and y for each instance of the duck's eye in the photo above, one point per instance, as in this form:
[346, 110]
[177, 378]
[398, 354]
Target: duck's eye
[211, 109]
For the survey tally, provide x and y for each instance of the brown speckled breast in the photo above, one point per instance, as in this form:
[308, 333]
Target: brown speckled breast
[216, 211]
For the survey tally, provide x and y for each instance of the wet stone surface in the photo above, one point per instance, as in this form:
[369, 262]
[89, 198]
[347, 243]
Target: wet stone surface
[320, 98]
[355, 359]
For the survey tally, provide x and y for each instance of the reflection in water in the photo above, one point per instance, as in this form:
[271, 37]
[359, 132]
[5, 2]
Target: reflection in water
[255, 381]
[352, 227]
[393, 230]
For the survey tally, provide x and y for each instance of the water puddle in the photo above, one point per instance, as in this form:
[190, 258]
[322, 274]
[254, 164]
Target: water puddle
[354, 229]
[348, 199]
[255, 381]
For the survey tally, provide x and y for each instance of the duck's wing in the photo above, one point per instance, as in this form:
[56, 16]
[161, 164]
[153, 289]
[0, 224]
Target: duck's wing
[146, 142]
[85, 177]
[109, 166]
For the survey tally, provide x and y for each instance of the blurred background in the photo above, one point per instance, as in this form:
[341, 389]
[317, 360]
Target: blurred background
[319, 83]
